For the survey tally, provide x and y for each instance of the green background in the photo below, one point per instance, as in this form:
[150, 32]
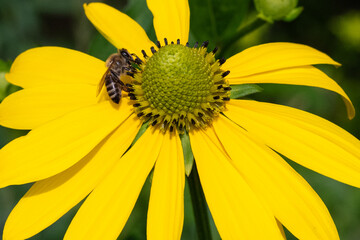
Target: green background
[332, 26]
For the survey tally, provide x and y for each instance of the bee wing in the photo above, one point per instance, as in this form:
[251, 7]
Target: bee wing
[102, 82]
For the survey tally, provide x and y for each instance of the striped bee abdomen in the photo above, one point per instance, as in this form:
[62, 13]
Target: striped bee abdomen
[113, 88]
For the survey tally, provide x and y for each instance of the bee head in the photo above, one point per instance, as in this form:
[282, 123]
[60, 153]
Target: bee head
[125, 54]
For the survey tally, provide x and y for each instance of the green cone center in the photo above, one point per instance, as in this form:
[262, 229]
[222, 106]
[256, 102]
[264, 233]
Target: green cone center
[177, 78]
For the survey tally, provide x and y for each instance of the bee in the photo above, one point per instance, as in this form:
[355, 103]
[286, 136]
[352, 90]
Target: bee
[118, 64]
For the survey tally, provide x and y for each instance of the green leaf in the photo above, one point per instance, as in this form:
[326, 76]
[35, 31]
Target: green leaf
[4, 68]
[242, 90]
[138, 10]
[215, 20]
[101, 48]
[140, 132]
[188, 154]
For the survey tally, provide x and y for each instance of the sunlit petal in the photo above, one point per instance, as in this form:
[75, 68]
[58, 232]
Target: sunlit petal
[171, 19]
[59, 144]
[105, 211]
[303, 137]
[166, 207]
[51, 198]
[32, 107]
[118, 28]
[307, 76]
[274, 56]
[237, 211]
[294, 203]
[55, 65]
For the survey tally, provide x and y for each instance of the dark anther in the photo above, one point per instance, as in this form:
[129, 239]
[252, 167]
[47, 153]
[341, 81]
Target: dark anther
[205, 44]
[154, 123]
[187, 44]
[137, 105]
[166, 122]
[144, 53]
[182, 116]
[148, 115]
[180, 127]
[225, 73]
[171, 128]
[130, 74]
[226, 98]
[158, 44]
[153, 50]
[227, 88]
[138, 60]
[172, 42]
[140, 114]
[222, 60]
[129, 85]
[215, 50]
[220, 86]
[178, 41]
[200, 114]
[156, 116]
[216, 97]
[196, 45]
[193, 121]
[165, 41]
[132, 96]
[209, 109]
[129, 90]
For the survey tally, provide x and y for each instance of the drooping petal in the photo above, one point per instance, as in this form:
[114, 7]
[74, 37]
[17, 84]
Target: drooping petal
[32, 107]
[294, 203]
[55, 65]
[49, 199]
[105, 211]
[274, 56]
[307, 76]
[59, 144]
[166, 207]
[118, 28]
[303, 137]
[238, 213]
[171, 19]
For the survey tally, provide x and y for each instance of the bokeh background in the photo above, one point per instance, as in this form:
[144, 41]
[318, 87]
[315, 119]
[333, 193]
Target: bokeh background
[332, 26]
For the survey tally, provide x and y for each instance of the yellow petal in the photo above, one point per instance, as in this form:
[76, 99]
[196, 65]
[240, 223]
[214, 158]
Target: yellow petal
[118, 28]
[307, 76]
[274, 56]
[49, 199]
[171, 19]
[59, 144]
[237, 211]
[294, 203]
[105, 211]
[32, 107]
[303, 137]
[55, 65]
[166, 207]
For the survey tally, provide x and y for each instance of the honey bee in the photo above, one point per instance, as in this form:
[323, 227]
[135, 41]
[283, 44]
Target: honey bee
[118, 64]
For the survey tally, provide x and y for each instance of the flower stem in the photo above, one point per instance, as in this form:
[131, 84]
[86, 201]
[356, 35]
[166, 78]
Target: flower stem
[199, 206]
[255, 24]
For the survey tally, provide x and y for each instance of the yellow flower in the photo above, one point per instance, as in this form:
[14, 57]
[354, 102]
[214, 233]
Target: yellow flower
[77, 143]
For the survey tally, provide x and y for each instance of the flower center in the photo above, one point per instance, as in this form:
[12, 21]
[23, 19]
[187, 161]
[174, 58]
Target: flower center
[179, 87]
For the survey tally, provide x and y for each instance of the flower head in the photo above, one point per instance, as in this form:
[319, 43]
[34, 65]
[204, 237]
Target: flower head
[78, 143]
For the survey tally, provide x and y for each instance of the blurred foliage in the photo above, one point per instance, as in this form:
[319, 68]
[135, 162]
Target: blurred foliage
[328, 25]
